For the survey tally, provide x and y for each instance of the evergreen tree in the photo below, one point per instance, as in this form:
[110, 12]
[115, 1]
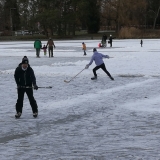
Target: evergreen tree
[89, 15]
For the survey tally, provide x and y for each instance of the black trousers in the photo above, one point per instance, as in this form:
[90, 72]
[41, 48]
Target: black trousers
[29, 92]
[103, 67]
[110, 44]
[50, 50]
[37, 52]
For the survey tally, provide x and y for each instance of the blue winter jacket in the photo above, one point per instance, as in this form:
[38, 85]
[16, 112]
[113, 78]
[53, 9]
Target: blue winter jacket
[98, 58]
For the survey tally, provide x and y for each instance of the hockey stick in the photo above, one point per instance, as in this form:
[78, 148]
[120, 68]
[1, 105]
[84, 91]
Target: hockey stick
[45, 87]
[74, 76]
[33, 87]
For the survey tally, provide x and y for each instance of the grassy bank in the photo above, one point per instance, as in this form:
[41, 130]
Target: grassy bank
[125, 33]
[82, 35]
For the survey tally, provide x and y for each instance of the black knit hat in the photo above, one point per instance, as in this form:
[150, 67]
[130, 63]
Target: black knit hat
[25, 58]
[24, 61]
[94, 49]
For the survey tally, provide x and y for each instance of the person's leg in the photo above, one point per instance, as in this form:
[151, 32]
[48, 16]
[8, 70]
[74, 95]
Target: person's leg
[33, 103]
[95, 69]
[52, 51]
[103, 67]
[19, 104]
[49, 51]
[37, 52]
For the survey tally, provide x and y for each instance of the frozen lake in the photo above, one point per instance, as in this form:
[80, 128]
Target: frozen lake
[83, 119]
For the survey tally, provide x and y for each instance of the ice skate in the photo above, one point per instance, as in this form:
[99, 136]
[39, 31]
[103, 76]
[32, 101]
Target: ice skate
[35, 114]
[94, 78]
[18, 115]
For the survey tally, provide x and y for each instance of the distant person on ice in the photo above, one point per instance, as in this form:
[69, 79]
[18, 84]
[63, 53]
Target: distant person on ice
[44, 49]
[98, 58]
[141, 42]
[25, 78]
[84, 48]
[104, 38]
[110, 40]
[50, 45]
[37, 46]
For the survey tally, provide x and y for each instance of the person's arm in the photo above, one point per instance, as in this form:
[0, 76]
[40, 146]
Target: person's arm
[40, 44]
[33, 79]
[16, 77]
[33, 76]
[54, 45]
[91, 61]
[105, 56]
[34, 44]
[47, 44]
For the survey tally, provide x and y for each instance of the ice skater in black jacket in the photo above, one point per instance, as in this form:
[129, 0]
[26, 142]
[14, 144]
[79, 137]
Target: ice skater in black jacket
[25, 79]
[110, 40]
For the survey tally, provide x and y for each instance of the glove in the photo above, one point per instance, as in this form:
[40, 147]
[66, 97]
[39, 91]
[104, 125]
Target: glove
[35, 87]
[87, 66]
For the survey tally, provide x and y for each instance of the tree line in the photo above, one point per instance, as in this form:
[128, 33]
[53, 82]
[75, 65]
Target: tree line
[65, 17]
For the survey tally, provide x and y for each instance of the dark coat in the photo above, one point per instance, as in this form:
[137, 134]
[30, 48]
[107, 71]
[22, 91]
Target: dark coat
[24, 78]
[110, 39]
[104, 38]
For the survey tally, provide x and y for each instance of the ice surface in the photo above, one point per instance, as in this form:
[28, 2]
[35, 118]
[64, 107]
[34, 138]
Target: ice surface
[83, 119]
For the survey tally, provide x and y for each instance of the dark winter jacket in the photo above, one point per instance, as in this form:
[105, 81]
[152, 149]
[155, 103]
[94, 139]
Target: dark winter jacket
[104, 38]
[24, 78]
[110, 39]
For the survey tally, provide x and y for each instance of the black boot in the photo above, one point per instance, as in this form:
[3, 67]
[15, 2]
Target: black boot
[94, 78]
[35, 114]
[112, 78]
[18, 115]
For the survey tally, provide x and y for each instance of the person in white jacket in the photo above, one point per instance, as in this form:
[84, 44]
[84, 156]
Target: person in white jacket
[98, 58]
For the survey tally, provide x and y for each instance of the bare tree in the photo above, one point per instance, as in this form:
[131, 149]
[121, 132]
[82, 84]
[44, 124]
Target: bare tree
[156, 16]
[123, 12]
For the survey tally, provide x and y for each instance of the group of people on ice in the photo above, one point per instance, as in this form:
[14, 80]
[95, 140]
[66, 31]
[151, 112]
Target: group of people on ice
[104, 41]
[50, 45]
[26, 81]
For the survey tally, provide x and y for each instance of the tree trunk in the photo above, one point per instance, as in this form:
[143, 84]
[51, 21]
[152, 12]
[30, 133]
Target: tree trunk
[59, 28]
[154, 25]
[73, 29]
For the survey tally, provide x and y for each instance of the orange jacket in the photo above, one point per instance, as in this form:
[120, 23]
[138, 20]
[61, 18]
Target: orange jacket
[84, 46]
